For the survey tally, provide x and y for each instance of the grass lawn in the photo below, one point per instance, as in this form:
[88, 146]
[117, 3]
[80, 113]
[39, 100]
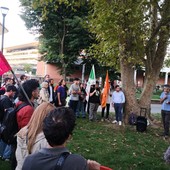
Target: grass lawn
[155, 95]
[117, 147]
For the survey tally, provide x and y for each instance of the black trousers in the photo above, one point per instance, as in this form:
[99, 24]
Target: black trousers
[13, 157]
[107, 110]
[165, 120]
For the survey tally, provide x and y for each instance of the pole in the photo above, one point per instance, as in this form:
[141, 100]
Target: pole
[3, 29]
[20, 85]
[83, 71]
[2, 42]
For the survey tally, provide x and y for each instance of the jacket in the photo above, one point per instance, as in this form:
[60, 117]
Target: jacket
[24, 115]
[22, 152]
[44, 96]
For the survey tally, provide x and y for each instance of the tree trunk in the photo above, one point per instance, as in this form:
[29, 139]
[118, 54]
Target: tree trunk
[145, 98]
[129, 89]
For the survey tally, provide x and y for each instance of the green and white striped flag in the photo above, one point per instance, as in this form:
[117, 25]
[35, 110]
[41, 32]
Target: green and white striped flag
[91, 81]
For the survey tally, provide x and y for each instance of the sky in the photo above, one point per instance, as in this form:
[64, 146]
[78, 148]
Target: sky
[18, 33]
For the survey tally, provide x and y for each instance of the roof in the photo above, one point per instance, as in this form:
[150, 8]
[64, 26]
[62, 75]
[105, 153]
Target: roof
[21, 46]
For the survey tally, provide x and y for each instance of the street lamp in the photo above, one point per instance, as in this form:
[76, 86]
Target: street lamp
[4, 11]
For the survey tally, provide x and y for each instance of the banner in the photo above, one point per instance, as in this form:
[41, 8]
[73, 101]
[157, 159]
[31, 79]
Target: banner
[105, 91]
[91, 81]
[4, 66]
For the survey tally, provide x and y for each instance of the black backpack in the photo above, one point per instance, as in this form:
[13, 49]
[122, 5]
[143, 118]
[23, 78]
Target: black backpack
[132, 119]
[9, 125]
[141, 122]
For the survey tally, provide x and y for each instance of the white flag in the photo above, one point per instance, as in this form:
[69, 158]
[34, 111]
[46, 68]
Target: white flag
[91, 81]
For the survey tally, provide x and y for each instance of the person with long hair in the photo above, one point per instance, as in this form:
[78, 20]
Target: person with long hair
[58, 128]
[30, 139]
[61, 94]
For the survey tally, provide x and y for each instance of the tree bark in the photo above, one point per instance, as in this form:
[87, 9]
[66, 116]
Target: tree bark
[129, 89]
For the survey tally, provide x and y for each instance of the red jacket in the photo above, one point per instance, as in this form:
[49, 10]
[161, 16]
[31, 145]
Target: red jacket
[24, 115]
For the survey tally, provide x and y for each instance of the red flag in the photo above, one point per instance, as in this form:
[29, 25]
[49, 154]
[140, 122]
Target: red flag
[105, 91]
[4, 66]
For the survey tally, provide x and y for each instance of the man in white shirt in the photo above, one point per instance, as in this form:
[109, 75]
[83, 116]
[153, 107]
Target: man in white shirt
[118, 99]
[74, 92]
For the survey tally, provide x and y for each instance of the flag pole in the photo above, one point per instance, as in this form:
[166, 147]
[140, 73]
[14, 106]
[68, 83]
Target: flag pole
[4, 67]
[20, 85]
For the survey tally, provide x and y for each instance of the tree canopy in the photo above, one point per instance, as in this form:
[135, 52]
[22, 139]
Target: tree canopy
[62, 31]
[131, 33]
[128, 33]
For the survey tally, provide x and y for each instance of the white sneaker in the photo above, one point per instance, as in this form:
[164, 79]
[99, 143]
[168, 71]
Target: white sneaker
[115, 121]
[102, 120]
[120, 123]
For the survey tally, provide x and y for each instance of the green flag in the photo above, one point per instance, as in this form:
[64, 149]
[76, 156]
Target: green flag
[91, 81]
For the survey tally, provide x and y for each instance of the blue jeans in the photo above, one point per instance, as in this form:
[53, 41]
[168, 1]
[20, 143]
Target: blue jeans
[118, 111]
[5, 150]
[73, 105]
[80, 108]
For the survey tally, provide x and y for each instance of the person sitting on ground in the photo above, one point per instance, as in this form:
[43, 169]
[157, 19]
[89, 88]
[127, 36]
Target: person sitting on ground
[31, 139]
[58, 127]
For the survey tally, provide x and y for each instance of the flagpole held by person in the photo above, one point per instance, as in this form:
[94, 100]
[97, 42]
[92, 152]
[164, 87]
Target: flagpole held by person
[105, 98]
[91, 81]
[5, 67]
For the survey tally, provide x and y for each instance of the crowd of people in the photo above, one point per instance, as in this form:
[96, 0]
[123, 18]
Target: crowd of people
[39, 135]
[45, 124]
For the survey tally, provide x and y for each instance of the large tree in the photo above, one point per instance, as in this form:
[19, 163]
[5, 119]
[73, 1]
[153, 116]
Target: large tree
[62, 34]
[132, 32]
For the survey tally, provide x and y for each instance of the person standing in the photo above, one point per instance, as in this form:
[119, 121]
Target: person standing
[44, 94]
[6, 102]
[31, 139]
[74, 92]
[165, 110]
[107, 107]
[23, 78]
[31, 88]
[58, 129]
[46, 77]
[118, 99]
[61, 94]
[94, 101]
[51, 90]
[81, 102]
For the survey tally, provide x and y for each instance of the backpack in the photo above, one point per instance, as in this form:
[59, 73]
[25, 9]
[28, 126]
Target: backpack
[9, 125]
[141, 122]
[132, 119]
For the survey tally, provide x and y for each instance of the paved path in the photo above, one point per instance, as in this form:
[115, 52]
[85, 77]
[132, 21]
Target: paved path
[155, 108]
